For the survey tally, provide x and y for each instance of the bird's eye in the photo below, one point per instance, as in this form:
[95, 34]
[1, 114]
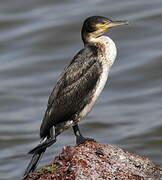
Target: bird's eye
[104, 22]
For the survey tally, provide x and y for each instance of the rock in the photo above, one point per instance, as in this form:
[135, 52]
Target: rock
[94, 161]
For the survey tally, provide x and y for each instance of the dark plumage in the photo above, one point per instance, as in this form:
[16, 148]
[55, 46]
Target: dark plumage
[73, 89]
[78, 86]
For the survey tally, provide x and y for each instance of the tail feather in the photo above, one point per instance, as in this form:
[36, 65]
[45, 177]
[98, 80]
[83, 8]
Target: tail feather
[43, 145]
[38, 152]
[34, 162]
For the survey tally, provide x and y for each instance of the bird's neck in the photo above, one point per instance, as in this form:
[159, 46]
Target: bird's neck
[106, 48]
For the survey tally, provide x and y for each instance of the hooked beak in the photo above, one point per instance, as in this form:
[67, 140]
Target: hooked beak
[102, 28]
[116, 23]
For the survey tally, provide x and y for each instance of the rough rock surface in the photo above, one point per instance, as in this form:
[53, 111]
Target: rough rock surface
[94, 161]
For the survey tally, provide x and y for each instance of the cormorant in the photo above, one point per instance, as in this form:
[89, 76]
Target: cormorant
[78, 86]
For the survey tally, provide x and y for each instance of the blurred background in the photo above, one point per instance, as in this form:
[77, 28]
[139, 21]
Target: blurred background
[38, 38]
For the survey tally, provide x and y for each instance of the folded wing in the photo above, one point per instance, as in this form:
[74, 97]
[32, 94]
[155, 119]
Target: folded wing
[73, 90]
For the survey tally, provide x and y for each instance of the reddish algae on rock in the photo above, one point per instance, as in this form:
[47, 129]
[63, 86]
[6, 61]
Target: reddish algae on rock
[94, 161]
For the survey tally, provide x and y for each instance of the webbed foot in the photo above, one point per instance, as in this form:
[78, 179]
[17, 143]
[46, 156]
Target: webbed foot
[81, 140]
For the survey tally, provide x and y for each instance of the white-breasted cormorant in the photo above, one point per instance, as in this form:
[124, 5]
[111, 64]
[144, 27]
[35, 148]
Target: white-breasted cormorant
[78, 86]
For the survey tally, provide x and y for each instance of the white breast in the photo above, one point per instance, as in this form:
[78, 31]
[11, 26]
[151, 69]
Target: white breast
[111, 50]
[106, 64]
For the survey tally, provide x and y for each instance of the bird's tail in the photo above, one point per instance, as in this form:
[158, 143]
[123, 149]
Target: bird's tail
[34, 162]
[38, 152]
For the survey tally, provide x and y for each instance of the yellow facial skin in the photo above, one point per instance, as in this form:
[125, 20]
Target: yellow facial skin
[102, 26]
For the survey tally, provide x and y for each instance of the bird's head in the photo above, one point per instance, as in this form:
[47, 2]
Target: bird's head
[95, 26]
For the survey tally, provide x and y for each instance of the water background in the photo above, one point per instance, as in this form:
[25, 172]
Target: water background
[38, 38]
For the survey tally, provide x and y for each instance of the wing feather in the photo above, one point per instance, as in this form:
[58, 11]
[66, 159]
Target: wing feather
[73, 90]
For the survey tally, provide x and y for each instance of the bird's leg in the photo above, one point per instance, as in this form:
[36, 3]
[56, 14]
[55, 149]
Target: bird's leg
[79, 138]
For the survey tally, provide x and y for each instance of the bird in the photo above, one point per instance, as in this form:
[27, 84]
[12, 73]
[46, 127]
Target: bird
[78, 86]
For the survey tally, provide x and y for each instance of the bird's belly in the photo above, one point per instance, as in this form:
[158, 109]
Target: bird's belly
[96, 92]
